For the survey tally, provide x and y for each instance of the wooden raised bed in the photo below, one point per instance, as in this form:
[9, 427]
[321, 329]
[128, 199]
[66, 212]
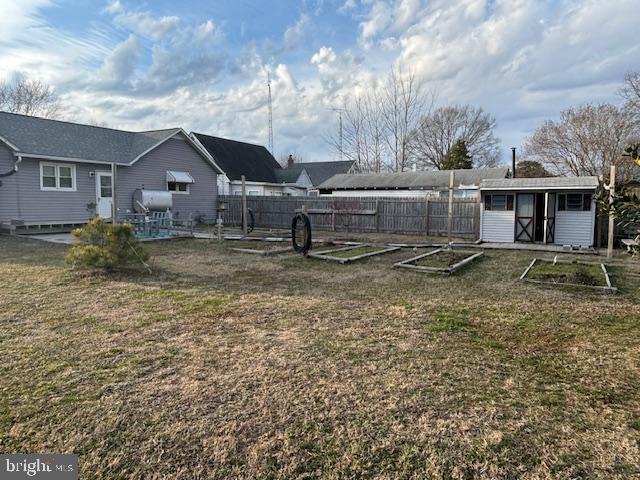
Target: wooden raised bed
[352, 253]
[565, 273]
[443, 260]
[273, 248]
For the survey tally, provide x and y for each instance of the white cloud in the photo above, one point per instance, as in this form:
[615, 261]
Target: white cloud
[142, 23]
[294, 35]
[323, 56]
[120, 65]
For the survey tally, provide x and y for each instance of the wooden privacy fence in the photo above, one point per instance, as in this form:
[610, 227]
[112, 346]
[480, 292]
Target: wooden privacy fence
[361, 214]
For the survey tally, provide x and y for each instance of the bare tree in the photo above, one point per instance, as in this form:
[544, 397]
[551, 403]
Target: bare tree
[403, 105]
[586, 140]
[29, 97]
[438, 132]
[377, 124]
[631, 93]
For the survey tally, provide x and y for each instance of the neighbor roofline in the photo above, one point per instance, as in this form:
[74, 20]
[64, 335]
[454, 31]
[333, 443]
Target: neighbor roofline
[194, 140]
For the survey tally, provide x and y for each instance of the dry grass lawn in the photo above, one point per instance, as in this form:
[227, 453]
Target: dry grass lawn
[228, 365]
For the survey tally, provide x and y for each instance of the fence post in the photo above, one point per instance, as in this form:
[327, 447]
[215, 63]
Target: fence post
[612, 224]
[377, 215]
[244, 207]
[450, 213]
[476, 216]
[426, 215]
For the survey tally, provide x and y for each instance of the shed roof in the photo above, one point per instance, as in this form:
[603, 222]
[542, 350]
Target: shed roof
[412, 180]
[239, 158]
[545, 183]
[60, 139]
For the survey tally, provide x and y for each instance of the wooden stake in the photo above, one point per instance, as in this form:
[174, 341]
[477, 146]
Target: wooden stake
[612, 192]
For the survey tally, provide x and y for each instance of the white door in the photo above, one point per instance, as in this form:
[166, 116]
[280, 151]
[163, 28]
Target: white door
[104, 194]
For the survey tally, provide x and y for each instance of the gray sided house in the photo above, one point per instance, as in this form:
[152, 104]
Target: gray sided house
[60, 174]
[556, 210]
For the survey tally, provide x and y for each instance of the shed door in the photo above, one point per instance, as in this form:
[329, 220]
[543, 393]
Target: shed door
[550, 218]
[524, 217]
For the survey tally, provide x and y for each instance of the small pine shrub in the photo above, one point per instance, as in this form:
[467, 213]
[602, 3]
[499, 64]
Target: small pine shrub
[106, 246]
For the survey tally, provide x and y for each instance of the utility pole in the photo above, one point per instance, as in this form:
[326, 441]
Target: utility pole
[270, 114]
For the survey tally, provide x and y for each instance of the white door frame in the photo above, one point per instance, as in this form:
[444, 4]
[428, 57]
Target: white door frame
[100, 174]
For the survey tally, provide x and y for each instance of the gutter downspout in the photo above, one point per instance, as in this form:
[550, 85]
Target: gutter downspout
[14, 170]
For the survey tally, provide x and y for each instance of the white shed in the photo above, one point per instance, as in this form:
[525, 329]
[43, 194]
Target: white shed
[555, 210]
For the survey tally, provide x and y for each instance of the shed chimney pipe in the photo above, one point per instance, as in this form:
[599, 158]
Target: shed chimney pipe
[513, 162]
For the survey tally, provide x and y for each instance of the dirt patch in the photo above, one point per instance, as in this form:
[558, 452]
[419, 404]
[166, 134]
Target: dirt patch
[577, 274]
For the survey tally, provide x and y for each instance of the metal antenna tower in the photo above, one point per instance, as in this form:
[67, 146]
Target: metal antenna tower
[270, 114]
[339, 110]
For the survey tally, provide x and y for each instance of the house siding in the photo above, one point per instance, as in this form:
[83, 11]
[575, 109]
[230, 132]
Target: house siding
[150, 173]
[8, 189]
[498, 226]
[28, 203]
[575, 228]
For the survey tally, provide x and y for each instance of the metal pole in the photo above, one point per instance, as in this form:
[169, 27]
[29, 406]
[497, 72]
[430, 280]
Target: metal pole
[612, 192]
[450, 214]
[244, 207]
[114, 207]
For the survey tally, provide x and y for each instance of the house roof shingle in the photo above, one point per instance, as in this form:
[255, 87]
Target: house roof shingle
[235, 158]
[318, 171]
[411, 180]
[54, 138]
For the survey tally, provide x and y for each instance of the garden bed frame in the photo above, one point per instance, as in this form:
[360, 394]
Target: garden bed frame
[608, 289]
[326, 254]
[264, 253]
[411, 263]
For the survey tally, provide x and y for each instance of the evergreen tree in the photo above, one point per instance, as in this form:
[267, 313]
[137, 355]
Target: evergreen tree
[457, 157]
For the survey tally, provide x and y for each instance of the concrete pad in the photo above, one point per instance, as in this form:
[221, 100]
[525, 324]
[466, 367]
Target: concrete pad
[63, 238]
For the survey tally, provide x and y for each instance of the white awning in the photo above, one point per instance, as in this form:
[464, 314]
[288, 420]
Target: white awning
[179, 177]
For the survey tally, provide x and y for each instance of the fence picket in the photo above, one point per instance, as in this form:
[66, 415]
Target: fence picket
[360, 214]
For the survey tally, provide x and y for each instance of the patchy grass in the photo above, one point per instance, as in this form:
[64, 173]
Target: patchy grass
[232, 366]
[444, 259]
[572, 273]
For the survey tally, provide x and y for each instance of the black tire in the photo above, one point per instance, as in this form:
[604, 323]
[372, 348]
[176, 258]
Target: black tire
[301, 233]
[251, 220]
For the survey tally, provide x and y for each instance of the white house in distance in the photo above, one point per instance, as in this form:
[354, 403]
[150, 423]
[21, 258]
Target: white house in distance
[555, 210]
[410, 184]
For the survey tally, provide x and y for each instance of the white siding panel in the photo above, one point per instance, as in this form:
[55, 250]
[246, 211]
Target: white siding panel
[498, 226]
[575, 228]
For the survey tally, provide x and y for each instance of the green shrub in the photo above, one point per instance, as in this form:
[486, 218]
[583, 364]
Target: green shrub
[106, 246]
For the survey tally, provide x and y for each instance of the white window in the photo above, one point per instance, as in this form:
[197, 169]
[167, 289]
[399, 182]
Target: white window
[57, 177]
[253, 192]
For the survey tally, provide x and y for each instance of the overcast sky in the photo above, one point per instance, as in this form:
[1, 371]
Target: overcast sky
[203, 64]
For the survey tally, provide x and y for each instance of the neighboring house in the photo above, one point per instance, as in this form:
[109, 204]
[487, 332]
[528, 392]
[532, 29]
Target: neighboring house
[54, 172]
[555, 210]
[263, 174]
[316, 172]
[410, 184]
